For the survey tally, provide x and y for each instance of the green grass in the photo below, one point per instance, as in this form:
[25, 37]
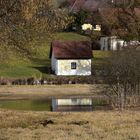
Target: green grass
[18, 67]
[38, 65]
[99, 59]
[34, 105]
[70, 36]
[101, 54]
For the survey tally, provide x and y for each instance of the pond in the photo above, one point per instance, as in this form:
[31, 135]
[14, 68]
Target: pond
[56, 105]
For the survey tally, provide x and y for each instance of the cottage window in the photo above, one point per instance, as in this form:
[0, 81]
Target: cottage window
[73, 65]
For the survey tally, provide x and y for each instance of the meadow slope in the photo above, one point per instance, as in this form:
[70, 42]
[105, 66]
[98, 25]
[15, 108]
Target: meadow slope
[20, 66]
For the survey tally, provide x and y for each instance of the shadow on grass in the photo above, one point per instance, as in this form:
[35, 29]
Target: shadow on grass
[42, 65]
[40, 61]
[43, 69]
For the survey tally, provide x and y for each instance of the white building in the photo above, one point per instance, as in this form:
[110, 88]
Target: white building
[87, 27]
[71, 58]
[97, 28]
[111, 43]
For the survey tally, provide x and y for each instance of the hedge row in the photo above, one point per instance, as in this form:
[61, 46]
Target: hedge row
[58, 80]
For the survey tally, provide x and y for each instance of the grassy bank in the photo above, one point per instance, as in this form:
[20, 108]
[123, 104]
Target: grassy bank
[39, 64]
[96, 125]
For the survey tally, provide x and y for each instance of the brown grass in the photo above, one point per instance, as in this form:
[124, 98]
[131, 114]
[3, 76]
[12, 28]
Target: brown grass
[19, 92]
[70, 126]
[97, 125]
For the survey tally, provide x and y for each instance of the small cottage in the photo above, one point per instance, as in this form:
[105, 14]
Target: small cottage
[71, 57]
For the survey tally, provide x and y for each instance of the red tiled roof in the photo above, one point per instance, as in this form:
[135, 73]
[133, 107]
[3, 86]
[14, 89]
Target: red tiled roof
[71, 50]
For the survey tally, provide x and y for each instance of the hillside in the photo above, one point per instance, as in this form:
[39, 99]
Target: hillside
[38, 64]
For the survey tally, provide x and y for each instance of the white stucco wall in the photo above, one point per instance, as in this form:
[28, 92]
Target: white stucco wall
[117, 44]
[104, 43]
[84, 101]
[63, 67]
[54, 64]
[86, 27]
[97, 28]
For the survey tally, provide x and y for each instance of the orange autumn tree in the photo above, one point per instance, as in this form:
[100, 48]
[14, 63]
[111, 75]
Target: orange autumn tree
[25, 21]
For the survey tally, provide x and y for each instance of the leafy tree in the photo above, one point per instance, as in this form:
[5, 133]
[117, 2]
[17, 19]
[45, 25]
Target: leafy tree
[64, 4]
[25, 21]
[123, 20]
[80, 18]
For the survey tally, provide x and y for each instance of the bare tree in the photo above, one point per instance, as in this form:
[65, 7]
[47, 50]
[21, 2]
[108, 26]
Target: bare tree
[123, 78]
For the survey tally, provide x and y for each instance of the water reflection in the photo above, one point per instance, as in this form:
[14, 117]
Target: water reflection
[73, 104]
[57, 105]
[33, 105]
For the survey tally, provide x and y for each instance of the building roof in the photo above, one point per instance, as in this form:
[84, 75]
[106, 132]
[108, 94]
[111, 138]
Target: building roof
[90, 5]
[71, 50]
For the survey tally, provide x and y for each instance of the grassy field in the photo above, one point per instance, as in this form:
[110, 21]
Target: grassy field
[31, 125]
[110, 125]
[43, 125]
[48, 91]
[19, 66]
[100, 59]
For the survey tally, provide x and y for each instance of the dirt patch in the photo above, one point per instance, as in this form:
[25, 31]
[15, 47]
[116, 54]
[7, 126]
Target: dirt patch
[78, 123]
[47, 122]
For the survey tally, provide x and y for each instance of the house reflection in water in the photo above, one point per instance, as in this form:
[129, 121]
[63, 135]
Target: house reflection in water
[72, 104]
